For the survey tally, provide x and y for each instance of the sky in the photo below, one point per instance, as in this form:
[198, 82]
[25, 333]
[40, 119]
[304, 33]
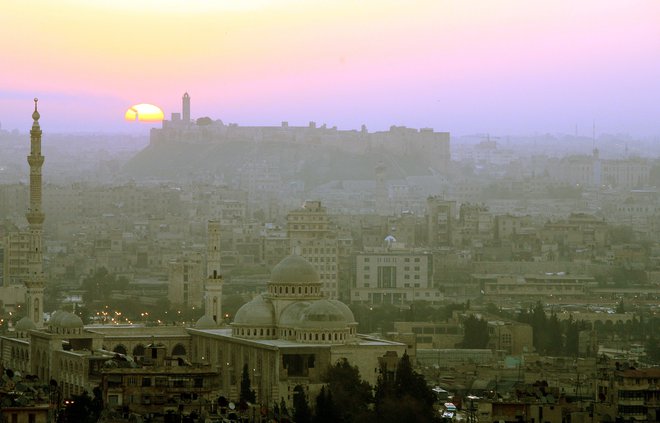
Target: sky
[464, 66]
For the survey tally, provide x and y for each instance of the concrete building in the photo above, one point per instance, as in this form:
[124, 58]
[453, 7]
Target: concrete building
[186, 280]
[628, 394]
[391, 276]
[440, 216]
[512, 337]
[309, 232]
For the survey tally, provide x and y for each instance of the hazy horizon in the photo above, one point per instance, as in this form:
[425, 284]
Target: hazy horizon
[509, 67]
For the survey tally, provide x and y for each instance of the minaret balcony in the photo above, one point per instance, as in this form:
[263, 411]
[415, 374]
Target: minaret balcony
[35, 160]
[35, 218]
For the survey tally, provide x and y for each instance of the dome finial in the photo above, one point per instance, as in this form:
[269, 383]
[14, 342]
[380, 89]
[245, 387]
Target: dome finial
[35, 115]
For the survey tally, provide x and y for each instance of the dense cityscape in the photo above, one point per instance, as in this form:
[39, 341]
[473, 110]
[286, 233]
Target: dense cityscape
[234, 295]
[288, 211]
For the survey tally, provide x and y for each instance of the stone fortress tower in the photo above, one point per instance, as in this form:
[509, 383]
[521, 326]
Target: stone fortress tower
[186, 107]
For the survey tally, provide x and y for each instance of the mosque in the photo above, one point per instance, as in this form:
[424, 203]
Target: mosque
[287, 336]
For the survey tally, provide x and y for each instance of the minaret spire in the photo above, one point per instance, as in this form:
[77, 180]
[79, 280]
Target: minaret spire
[35, 217]
[213, 284]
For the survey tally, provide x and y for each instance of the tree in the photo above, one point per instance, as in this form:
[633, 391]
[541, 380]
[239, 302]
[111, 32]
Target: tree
[301, 412]
[476, 333]
[326, 410]
[405, 398]
[347, 388]
[99, 285]
[84, 409]
[620, 308]
[247, 394]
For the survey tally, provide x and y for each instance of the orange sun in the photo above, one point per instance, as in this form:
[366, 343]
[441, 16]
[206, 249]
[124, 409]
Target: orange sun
[144, 113]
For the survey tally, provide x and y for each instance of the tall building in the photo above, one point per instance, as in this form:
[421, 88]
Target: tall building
[35, 217]
[186, 280]
[186, 108]
[440, 220]
[308, 230]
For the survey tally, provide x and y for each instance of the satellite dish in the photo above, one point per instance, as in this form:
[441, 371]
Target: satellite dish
[232, 406]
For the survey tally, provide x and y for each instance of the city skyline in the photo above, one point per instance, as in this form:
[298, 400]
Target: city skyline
[504, 68]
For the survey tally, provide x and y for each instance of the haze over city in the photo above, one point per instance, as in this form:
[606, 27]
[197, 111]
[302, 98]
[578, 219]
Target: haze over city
[505, 67]
[329, 211]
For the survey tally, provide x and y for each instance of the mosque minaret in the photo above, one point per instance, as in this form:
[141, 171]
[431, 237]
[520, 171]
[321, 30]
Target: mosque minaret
[35, 217]
[213, 283]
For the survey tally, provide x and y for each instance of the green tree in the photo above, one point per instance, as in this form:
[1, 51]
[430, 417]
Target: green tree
[99, 285]
[406, 397]
[476, 333]
[326, 410]
[347, 388]
[620, 307]
[247, 394]
[652, 348]
[301, 411]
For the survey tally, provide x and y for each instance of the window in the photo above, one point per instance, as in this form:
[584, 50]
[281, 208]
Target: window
[386, 276]
[146, 381]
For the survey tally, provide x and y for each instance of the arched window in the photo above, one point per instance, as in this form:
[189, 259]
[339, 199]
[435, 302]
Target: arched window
[179, 349]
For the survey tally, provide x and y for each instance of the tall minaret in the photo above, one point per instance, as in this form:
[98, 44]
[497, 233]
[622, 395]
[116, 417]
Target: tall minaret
[35, 217]
[186, 108]
[213, 286]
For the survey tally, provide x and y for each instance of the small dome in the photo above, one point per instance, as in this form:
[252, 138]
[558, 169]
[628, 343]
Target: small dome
[257, 312]
[294, 269]
[322, 314]
[290, 317]
[56, 318]
[206, 322]
[348, 314]
[25, 324]
[71, 321]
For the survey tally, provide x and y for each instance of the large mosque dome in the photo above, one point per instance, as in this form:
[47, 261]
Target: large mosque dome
[294, 309]
[294, 269]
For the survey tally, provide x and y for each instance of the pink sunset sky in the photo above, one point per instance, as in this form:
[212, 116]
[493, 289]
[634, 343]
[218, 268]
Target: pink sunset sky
[497, 66]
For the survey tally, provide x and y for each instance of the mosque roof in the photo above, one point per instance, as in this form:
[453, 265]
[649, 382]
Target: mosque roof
[294, 269]
[71, 321]
[64, 319]
[348, 314]
[322, 314]
[25, 324]
[206, 322]
[290, 317]
[257, 312]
